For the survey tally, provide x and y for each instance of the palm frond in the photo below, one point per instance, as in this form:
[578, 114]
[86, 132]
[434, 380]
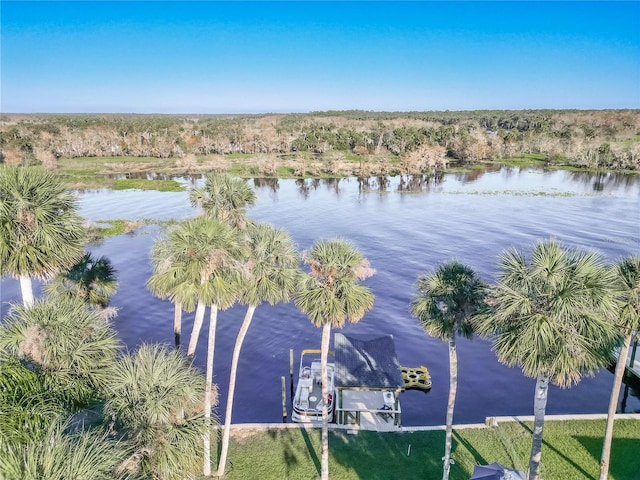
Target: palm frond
[447, 300]
[42, 232]
[553, 312]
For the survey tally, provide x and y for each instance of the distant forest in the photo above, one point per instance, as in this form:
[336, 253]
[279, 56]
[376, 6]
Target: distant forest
[409, 142]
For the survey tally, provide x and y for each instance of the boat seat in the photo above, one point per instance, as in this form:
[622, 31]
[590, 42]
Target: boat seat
[304, 397]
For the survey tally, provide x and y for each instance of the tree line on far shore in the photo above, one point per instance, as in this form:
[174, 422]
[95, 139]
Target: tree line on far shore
[596, 139]
[74, 405]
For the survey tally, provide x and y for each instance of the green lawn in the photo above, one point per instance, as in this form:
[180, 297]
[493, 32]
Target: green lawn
[571, 451]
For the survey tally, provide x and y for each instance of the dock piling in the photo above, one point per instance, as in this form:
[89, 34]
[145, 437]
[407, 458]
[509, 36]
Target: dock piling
[291, 373]
[284, 401]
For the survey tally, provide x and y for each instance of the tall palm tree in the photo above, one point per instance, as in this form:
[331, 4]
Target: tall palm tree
[224, 198]
[154, 396]
[271, 275]
[553, 315]
[67, 342]
[195, 261]
[41, 232]
[628, 275]
[446, 301]
[330, 295]
[92, 280]
[221, 289]
[203, 269]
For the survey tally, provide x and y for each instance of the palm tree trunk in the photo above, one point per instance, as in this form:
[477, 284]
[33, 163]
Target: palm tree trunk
[324, 354]
[195, 332]
[613, 403]
[213, 318]
[453, 387]
[177, 324]
[26, 288]
[539, 409]
[232, 387]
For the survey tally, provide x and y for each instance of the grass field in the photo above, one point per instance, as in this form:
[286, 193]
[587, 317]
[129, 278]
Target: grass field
[571, 451]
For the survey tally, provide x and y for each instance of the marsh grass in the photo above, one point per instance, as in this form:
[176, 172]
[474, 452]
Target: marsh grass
[146, 184]
[103, 172]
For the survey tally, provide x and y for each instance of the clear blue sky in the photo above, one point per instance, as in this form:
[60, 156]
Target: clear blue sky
[254, 57]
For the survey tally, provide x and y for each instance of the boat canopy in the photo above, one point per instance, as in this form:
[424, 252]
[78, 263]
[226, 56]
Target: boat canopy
[366, 361]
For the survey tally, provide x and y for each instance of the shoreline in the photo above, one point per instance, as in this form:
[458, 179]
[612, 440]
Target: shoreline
[489, 423]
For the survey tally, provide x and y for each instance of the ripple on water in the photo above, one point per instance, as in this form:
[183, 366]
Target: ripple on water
[403, 235]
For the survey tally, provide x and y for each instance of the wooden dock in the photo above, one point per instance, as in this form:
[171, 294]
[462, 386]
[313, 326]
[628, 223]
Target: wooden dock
[368, 410]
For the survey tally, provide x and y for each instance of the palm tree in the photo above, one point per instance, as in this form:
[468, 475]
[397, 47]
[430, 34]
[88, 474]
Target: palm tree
[193, 268]
[162, 284]
[71, 345]
[155, 396]
[221, 288]
[628, 273]
[553, 315]
[446, 301]
[92, 280]
[60, 455]
[271, 275]
[203, 269]
[224, 198]
[41, 232]
[28, 408]
[330, 295]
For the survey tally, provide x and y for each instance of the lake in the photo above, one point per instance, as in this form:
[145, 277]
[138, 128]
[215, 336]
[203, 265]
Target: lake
[405, 227]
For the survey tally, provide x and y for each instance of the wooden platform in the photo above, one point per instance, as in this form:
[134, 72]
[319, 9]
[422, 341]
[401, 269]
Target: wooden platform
[368, 410]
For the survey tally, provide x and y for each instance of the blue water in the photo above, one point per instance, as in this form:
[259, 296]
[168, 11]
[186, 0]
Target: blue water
[404, 233]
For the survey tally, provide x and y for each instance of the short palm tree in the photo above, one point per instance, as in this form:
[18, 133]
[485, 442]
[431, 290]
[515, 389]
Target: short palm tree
[224, 198]
[203, 269]
[70, 344]
[552, 314]
[28, 408]
[92, 280]
[628, 275]
[164, 281]
[330, 295]
[446, 301]
[60, 455]
[155, 397]
[41, 233]
[271, 275]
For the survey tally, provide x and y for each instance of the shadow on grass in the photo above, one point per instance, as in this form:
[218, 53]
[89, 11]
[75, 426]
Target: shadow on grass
[388, 456]
[624, 461]
[548, 446]
[477, 458]
[291, 448]
[312, 452]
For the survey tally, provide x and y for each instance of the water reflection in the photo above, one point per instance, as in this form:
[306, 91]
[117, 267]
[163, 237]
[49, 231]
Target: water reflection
[380, 183]
[270, 183]
[631, 387]
[605, 181]
[419, 183]
[403, 235]
[487, 180]
[306, 185]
